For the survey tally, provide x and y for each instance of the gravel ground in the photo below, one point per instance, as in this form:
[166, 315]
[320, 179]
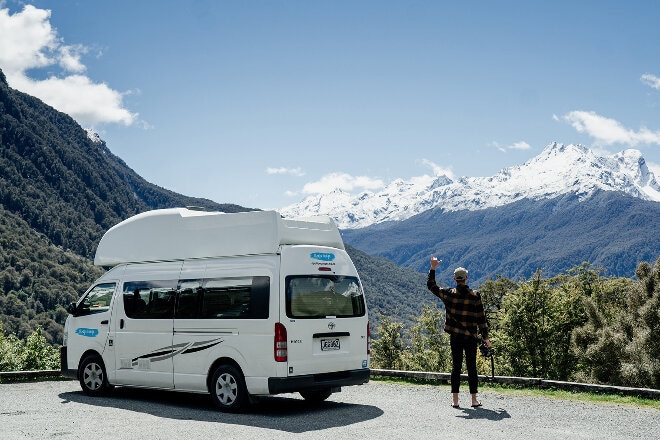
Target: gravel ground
[47, 410]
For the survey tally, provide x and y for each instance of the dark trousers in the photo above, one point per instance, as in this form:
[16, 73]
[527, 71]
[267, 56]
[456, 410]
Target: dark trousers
[460, 344]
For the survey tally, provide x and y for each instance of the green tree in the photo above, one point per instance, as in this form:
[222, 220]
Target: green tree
[429, 346]
[34, 353]
[11, 352]
[619, 344]
[387, 348]
[39, 355]
[536, 328]
[493, 292]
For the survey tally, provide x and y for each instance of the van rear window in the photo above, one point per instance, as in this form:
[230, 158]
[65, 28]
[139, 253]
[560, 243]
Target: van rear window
[319, 296]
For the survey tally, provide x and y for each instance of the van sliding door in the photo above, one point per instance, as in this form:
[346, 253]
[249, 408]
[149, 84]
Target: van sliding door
[143, 329]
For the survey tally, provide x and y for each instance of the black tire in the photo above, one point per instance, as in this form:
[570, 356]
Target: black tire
[316, 396]
[228, 389]
[93, 378]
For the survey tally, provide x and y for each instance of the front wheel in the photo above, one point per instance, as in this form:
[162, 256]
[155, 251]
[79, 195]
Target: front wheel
[316, 396]
[228, 389]
[93, 378]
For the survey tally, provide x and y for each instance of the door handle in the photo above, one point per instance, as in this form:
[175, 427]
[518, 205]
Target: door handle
[104, 322]
[121, 323]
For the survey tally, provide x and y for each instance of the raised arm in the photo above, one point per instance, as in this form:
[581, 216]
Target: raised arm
[430, 282]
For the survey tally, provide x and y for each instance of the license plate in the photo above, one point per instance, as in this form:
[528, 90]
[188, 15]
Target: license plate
[330, 344]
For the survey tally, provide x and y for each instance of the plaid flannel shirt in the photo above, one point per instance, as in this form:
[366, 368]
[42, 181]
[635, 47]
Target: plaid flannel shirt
[463, 307]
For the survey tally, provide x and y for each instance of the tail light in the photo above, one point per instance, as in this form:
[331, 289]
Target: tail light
[280, 349]
[368, 339]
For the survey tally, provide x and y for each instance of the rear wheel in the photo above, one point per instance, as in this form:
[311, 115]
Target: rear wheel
[316, 395]
[228, 389]
[93, 378]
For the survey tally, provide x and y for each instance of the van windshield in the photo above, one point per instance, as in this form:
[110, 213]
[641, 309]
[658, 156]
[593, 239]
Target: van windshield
[309, 296]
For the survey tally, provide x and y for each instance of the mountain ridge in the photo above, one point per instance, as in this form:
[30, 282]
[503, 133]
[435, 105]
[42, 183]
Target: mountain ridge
[558, 170]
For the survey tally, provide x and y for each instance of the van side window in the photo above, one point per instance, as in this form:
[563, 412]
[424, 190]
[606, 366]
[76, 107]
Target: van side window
[149, 299]
[97, 300]
[320, 296]
[189, 299]
[224, 298]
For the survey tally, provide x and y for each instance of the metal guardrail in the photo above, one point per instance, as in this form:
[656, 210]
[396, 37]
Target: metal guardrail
[647, 393]
[27, 375]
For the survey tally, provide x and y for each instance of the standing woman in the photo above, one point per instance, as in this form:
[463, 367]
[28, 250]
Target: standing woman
[465, 319]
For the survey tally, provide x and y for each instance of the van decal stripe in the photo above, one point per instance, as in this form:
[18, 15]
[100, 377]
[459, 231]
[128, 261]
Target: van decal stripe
[200, 348]
[173, 350]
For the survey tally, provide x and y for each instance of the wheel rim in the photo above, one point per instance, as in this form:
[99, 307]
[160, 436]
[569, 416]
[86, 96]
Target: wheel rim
[93, 376]
[226, 389]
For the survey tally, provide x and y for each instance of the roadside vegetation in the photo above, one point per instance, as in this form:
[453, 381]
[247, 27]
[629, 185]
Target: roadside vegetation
[33, 353]
[579, 326]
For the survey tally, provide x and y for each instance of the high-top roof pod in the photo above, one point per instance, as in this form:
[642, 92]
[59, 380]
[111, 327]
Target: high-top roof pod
[181, 233]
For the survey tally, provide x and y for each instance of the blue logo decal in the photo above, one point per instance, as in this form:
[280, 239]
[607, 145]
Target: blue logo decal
[364, 364]
[322, 256]
[89, 332]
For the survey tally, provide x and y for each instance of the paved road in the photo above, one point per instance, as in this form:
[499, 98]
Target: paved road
[59, 410]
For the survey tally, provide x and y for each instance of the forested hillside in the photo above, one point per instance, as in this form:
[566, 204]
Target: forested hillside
[391, 290]
[62, 183]
[37, 279]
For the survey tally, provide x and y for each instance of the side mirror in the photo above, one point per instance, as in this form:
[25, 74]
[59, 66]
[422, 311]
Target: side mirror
[72, 309]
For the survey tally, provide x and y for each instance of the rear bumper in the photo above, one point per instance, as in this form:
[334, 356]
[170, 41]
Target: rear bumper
[64, 368]
[293, 384]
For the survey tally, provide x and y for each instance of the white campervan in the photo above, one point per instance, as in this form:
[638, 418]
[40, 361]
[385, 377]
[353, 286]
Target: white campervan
[235, 305]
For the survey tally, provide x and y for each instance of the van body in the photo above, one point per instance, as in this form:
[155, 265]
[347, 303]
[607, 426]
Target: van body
[235, 305]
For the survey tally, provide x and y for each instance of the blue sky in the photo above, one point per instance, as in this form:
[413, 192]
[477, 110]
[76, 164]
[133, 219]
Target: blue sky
[262, 103]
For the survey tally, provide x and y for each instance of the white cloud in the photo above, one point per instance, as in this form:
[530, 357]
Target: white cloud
[437, 169]
[608, 131]
[69, 58]
[651, 81]
[342, 181]
[27, 41]
[283, 170]
[520, 145]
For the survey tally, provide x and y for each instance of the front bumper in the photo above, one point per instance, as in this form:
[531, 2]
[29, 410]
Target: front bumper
[64, 368]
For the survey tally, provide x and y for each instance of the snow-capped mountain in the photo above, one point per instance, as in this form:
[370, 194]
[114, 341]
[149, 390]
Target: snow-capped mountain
[93, 136]
[559, 169]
